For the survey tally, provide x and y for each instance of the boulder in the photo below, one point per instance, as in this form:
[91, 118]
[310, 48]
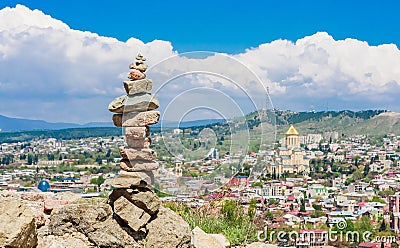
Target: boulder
[95, 222]
[138, 143]
[137, 132]
[141, 197]
[50, 204]
[67, 196]
[134, 103]
[168, 230]
[136, 75]
[138, 165]
[17, 225]
[201, 239]
[77, 218]
[126, 179]
[111, 234]
[66, 241]
[132, 215]
[137, 154]
[132, 119]
[138, 86]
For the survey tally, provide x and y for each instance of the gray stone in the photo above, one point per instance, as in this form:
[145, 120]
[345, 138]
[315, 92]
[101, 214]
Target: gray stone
[133, 119]
[137, 132]
[95, 222]
[77, 218]
[126, 179]
[137, 143]
[66, 241]
[138, 86]
[146, 200]
[139, 67]
[17, 225]
[134, 216]
[140, 57]
[168, 230]
[110, 234]
[137, 154]
[134, 103]
[141, 197]
[201, 239]
[138, 165]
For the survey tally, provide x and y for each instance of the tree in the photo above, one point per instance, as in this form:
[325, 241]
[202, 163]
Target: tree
[383, 226]
[318, 213]
[30, 159]
[99, 160]
[252, 208]
[303, 206]
[97, 180]
[108, 153]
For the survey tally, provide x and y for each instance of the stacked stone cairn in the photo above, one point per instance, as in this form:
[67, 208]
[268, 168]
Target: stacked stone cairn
[133, 202]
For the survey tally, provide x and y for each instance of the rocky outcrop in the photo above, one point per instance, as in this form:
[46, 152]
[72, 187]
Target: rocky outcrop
[168, 230]
[17, 225]
[128, 225]
[94, 223]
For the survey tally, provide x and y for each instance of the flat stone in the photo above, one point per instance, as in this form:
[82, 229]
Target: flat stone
[137, 132]
[138, 86]
[133, 119]
[138, 143]
[136, 75]
[141, 197]
[126, 179]
[134, 103]
[139, 67]
[134, 216]
[138, 165]
[137, 154]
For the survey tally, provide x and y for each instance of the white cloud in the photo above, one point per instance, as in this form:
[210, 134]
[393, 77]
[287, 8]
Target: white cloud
[49, 71]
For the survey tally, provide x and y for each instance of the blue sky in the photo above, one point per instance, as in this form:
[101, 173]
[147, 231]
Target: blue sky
[66, 60]
[227, 26]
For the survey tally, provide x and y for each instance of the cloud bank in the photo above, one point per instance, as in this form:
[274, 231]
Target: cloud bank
[52, 72]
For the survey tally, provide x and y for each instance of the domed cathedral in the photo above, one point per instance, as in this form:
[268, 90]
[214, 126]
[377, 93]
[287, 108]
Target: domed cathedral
[292, 138]
[290, 158]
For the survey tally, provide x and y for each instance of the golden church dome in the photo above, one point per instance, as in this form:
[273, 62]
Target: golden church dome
[292, 131]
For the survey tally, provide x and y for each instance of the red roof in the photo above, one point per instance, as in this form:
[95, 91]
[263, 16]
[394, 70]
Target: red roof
[367, 245]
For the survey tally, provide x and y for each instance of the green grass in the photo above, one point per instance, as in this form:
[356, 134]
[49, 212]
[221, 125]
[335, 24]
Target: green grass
[231, 221]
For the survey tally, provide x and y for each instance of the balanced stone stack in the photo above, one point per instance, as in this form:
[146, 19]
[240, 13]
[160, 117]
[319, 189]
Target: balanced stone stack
[134, 112]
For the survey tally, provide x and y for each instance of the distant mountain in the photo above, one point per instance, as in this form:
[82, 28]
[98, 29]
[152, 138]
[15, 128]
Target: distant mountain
[346, 122]
[8, 124]
[186, 124]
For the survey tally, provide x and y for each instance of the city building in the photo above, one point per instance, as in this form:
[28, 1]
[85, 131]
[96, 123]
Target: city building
[290, 158]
